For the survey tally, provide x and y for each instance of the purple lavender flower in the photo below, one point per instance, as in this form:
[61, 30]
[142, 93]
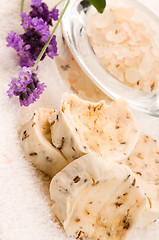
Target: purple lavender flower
[32, 40]
[41, 27]
[28, 47]
[25, 58]
[29, 44]
[26, 21]
[14, 41]
[52, 48]
[54, 14]
[36, 3]
[42, 11]
[35, 38]
[36, 25]
[27, 87]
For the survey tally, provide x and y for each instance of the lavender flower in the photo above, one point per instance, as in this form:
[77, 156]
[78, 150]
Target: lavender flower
[41, 10]
[28, 46]
[14, 41]
[36, 25]
[55, 14]
[52, 48]
[35, 38]
[25, 58]
[26, 20]
[36, 3]
[27, 87]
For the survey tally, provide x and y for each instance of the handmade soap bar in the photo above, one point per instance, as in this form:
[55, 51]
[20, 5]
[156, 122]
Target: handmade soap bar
[97, 199]
[144, 162]
[80, 127]
[35, 140]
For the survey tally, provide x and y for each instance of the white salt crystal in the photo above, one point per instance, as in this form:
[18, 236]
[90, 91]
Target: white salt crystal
[123, 14]
[147, 63]
[116, 36]
[115, 72]
[103, 20]
[132, 75]
[122, 53]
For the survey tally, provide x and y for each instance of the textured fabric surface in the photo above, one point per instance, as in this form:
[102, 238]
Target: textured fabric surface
[25, 206]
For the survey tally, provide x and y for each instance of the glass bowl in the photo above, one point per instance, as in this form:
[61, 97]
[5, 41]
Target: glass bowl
[74, 32]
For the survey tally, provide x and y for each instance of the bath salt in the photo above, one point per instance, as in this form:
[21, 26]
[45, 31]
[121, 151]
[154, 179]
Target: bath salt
[124, 42]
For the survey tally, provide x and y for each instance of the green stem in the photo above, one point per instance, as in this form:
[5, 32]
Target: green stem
[22, 6]
[58, 4]
[48, 41]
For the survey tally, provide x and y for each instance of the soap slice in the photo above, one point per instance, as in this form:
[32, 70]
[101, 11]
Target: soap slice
[80, 127]
[97, 199]
[35, 140]
[144, 162]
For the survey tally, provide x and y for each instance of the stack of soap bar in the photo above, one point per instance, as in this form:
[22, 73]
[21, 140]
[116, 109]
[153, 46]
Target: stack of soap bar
[85, 147]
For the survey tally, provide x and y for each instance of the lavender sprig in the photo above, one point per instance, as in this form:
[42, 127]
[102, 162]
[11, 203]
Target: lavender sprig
[27, 87]
[32, 46]
[50, 38]
[36, 26]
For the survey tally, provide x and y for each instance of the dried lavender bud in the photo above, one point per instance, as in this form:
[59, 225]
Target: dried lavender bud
[27, 87]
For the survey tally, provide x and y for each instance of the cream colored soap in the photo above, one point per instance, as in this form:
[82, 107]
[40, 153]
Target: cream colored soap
[144, 162]
[97, 199]
[35, 140]
[80, 127]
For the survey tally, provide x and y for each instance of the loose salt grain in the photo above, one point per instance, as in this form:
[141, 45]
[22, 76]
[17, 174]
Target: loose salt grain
[122, 39]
